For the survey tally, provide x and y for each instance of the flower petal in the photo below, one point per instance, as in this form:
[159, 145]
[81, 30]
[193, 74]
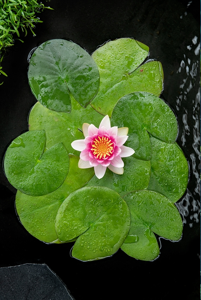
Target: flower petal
[121, 140]
[117, 162]
[105, 122]
[92, 130]
[117, 151]
[78, 145]
[99, 171]
[123, 131]
[126, 151]
[93, 162]
[118, 171]
[84, 164]
[113, 131]
[84, 155]
[85, 127]
[105, 163]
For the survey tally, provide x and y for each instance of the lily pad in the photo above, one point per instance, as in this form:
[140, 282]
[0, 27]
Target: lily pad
[169, 170]
[62, 127]
[37, 214]
[100, 219]
[135, 177]
[118, 62]
[143, 112]
[151, 213]
[33, 170]
[58, 68]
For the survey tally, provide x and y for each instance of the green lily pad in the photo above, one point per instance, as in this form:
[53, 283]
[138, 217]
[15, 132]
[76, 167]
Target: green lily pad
[151, 213]
[135, 177]
[143, 112]
[100, 219]
[169, 170]
[141, 242]
[37, 214]
[118, 62]
[62, 127]
[33, 170]
[58, 68]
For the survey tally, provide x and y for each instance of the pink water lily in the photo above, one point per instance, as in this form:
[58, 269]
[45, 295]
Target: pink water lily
[103, 147]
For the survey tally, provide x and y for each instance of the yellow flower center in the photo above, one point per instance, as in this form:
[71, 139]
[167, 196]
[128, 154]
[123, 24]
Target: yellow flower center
[102, 147]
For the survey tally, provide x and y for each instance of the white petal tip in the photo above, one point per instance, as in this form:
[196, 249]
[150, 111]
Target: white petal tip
[85, 127]
[82, 164]
[123, 131]
[78, 145]
[105, 122]
[116, 170]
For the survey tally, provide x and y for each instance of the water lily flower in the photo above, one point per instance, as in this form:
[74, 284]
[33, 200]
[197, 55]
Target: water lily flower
[103, 148]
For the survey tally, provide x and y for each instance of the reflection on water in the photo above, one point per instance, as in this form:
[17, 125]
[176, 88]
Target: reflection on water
[189, 207]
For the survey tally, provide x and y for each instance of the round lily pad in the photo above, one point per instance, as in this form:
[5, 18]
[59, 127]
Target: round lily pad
[98, 217]
[37, 213]
[33, 170]
[169, 170]
[143, 112]
[58, 68]
[151, 213]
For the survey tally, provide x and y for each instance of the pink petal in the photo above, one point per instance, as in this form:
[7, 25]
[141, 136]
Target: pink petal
[126, 151]
[105, 164]
[117, 162]
[93, 162]
[92, 130]
[105, 123]
[78, 145]
[123, 131]
[99, 171]
[84, 155]
[117, 151]
[85, 127]
[118, 171]
[113, 131]
[84, 164]
[121, 140]
[103, 131]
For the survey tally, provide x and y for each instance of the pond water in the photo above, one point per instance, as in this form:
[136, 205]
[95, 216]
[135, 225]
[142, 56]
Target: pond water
[171, 30]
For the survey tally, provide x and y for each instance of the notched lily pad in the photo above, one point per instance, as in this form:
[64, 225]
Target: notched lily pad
[151, 213]
[58, 68]
[100, 219]
[33, 170]
[118, 62]
[143, 112]
[169, 170]
[37, 214]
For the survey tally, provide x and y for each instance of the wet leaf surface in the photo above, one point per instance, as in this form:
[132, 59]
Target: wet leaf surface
[169, 170]
[58, 68]
[142, 113]
[118, 63]
[135, 177]
[151, 213]
[100, 219]
[33, 170]
[63, 127]
[37, 214]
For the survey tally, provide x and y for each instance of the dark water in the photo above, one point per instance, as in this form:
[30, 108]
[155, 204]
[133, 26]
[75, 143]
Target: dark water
[171, 30]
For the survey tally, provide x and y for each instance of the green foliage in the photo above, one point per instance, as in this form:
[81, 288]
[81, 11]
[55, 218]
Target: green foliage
[117, 211]
[17, 16]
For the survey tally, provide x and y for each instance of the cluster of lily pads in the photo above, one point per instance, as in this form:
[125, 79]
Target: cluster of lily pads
[59, 202]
